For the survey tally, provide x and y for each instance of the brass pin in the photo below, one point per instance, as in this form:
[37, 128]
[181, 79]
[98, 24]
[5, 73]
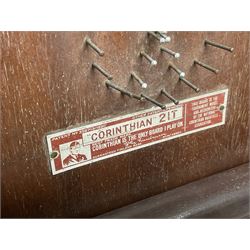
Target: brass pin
[149, 58]
[220, 46]
[94, 47]
[103, 71]
[153, 101]
[206, 66]
[189, 84]
[164, 35]
[178, 71]
[170, 52]
[160, 39]
[164, 92]
[109, 84]
[139, 80]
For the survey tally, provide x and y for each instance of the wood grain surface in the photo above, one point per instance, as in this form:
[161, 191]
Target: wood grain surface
[47, 84]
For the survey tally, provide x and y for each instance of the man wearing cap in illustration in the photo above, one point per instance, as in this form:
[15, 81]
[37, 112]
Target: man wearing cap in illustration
[74, 156]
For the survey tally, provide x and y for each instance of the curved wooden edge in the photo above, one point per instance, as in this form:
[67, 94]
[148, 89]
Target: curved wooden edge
[223, 195]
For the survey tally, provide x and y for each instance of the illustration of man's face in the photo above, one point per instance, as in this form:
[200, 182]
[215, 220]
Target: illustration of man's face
[75, 149]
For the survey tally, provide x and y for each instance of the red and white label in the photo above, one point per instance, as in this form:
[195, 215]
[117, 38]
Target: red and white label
[75, 147]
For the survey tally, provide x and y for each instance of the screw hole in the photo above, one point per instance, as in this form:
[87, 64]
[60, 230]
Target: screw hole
[54, 155]
[222, 107]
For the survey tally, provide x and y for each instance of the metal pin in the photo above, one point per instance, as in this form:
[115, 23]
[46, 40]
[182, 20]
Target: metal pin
[164, 36]
[123, 91]
[149, 58]
[153, 101]
[139, 80]
[137, 97]
[191, 85]
[206, 66]
[109, 84]
[103, 71]
[178, 71]
[160, 39]
[164, 92]
[94, 47]
[170, 52]
[220, 46]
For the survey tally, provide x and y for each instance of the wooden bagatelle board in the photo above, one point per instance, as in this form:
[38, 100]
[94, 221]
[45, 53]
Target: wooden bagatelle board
[48, 85]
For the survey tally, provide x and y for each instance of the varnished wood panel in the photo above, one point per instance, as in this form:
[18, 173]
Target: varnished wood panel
[47, 84]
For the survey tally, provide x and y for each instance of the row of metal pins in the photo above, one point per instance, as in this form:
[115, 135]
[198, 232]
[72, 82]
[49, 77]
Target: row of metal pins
[143, 96]
[174, 54]
[164, 92]
[163, 38]
[154, 62]
[142, 83]
[109, 84]
[110, 77]
[125, 92]
[106, 74]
